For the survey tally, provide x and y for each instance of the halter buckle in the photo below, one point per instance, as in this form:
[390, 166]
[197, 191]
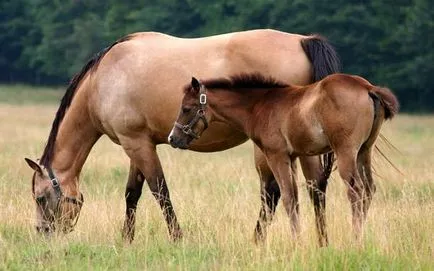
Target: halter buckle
[54, 182]
[202, 99]
[186, 129]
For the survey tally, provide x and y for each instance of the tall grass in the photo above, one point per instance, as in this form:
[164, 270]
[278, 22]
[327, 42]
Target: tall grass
[216, 198]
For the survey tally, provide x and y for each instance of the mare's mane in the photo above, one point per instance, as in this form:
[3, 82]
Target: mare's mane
[91, 65]
[241, 82]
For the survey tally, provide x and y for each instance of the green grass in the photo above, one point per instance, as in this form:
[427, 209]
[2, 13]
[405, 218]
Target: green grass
[217, 204]
[60, 254]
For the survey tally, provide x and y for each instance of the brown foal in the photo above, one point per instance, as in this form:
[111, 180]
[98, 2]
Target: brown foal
[341, 113]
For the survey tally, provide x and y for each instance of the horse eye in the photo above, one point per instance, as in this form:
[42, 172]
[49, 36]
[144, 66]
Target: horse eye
[40, 200]
[186, 110]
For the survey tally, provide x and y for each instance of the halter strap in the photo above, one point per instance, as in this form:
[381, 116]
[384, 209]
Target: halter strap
[59, 194]
[58, 190]
[55, 183]
[200, 115]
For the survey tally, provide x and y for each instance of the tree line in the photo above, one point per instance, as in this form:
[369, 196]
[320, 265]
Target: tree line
[388, 42]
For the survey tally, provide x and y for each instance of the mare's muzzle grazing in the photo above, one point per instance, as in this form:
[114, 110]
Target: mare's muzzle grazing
[49, 225]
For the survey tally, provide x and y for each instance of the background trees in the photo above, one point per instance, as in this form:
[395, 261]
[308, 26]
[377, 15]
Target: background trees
[47, 41]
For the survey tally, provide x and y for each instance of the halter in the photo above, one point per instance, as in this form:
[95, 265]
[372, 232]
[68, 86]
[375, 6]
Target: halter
[59, 194]
[200, 115]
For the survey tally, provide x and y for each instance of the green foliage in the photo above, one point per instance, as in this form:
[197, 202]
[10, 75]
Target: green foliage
[47, 41]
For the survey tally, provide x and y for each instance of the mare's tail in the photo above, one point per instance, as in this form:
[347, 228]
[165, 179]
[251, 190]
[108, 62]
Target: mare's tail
[325, 61]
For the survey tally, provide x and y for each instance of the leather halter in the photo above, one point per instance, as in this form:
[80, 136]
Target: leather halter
[60, 196]
[200, 115]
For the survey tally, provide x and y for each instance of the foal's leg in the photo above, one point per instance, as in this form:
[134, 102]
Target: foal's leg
[348, 170]
[270, 195]
[132, 195]
[144, 155]
[282, 167]
[365, 171]
[316, 186]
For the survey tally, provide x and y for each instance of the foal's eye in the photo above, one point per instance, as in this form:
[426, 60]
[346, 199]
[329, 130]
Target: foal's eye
[186, 110]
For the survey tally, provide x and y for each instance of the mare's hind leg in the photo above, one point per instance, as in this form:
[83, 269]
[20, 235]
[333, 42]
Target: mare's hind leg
[348, 170]
[316, 186]
[132, 195]
[365, 171]
[143, 154]
[270, 195]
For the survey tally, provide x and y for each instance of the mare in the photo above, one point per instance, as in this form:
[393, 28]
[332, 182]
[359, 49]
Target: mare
[130, 92]
[341, 113]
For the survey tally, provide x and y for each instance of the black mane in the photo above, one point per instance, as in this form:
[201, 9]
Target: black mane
[47, 155]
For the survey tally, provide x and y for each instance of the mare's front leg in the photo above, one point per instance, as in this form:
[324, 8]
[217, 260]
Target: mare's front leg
[284, 170]
[143, 154]
[133, 192]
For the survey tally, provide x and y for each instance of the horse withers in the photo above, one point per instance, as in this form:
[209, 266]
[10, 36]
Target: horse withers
[129, 92]
[341, 113]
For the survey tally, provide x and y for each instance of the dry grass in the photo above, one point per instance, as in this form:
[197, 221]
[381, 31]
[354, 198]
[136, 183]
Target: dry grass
[216, 197]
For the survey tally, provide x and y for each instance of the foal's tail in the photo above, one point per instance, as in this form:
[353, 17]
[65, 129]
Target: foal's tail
[388, 101]
[386, 106]
[325, 61]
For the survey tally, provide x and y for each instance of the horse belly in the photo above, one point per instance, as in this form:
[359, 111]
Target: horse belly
[310, 140]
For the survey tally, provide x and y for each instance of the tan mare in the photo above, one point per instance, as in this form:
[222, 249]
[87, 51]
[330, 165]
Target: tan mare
[131, 92]
[341, 113]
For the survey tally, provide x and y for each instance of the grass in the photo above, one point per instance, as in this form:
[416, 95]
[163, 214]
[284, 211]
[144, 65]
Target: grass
[216, 197]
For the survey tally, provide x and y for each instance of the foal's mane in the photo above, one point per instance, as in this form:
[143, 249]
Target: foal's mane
[241, 82]
[91, 65]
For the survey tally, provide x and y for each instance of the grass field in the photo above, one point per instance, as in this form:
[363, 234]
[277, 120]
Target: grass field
[216, 197]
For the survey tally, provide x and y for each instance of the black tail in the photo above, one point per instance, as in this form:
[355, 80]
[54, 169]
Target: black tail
[325, 61]
[322, 55]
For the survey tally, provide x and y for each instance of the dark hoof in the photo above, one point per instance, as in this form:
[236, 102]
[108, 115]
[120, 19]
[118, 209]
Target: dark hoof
[128, 235]
[176, 235]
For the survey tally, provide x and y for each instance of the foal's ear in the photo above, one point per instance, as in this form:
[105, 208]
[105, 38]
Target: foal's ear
[195, 84]
[35, 166]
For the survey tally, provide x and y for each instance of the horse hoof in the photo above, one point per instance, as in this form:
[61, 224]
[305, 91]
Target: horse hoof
[176, 235]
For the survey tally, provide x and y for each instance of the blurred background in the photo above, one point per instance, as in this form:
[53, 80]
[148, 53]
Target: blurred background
[45, 42]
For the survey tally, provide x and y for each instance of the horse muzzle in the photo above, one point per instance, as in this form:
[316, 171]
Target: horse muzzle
[179, 143]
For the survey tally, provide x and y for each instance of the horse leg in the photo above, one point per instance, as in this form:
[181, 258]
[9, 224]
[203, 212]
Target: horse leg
[316, 187]
[132, 195]
[285, 177]
[365, 171]
[348, 170]
[144, 155]
[270, 195]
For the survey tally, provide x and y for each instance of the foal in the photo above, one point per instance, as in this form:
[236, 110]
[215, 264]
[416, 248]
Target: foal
[341, 113]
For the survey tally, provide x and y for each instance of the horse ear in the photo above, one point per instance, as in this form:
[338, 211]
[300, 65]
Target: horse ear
[35, 166]
[195, 84]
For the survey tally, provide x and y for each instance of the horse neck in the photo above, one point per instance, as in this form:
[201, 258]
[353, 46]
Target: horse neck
[235, 108]
[75, 139]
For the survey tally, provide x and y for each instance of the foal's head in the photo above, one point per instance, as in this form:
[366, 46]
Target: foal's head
[53, 207]
[193, 117]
